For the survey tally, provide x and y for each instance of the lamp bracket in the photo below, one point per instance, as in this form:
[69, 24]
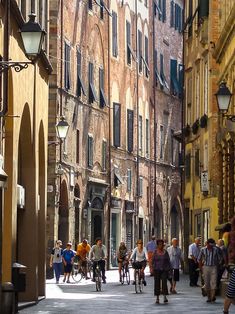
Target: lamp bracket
[229, 117]
[17, 65]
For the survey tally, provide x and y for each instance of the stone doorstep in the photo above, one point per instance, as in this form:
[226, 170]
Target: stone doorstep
[23, 305]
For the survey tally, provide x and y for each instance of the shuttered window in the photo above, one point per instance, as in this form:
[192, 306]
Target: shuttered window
[128, 42]
[104, 152]
[103, 101]
[203, 10]
[129, 180]
[147, 138]
[90, 4]
[174, 80]
[190, 15]
[162, 140]
[140, 186]
[92, 92]
[90, 151]
[181, 79]
[163, 81]
[116, 124]
[114, 34]
[160, 10]
[67, 77]
[172, 17]
[77, 147]
[188, 166]
[197, 163]
[163, 10]
[80, 84]
[140, 135]
[140, 50]
[101, 9]
[130, 117]
[146, 45]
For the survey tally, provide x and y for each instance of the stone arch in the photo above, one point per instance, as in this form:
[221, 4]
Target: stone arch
[63, 227]
[158, 217]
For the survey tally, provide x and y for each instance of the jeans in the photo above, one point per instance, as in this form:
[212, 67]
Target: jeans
[58, 270]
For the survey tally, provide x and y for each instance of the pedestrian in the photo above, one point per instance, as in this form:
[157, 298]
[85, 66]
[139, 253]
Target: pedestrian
[83, 250]
[209, 259]
[230, 295]
[68, 257]
[151, 247]
[98, 255]
[224, 262]
[56, 259]
[193, 253]
[139, 259]
[162, 267]
[122, 257]
[176, 258]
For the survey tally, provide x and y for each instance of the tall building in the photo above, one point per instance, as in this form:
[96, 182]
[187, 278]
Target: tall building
[23, 146]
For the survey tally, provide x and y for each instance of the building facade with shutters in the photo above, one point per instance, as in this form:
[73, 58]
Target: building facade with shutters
[166, 102]
[23, 146]
[201, 119]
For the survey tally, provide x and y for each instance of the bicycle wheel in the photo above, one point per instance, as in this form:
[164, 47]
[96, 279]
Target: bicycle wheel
[98, 281]
[127, 275]
[122, 276]
[76, 273]
[89, 269]
[136, 278]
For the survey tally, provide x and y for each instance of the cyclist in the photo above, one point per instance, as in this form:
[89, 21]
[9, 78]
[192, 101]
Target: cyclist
[122, 256]
[98, 255]
[139, 258]
[83, 249]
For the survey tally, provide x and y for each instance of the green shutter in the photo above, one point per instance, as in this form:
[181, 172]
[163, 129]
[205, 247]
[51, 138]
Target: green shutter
[203, 9]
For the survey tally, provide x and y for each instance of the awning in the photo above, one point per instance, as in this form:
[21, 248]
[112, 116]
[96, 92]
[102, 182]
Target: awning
[118, 176]
[97, 181]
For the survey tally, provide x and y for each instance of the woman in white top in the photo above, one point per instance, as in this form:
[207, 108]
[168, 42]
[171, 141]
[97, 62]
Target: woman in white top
[139, 258]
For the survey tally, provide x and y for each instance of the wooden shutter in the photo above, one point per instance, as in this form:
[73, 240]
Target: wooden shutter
[103, 100]
[104, 152]
[146, 54]
[129, 180]
[163, 10]
[147, 137]
[160, 9]
[140, 50]
[140, 135]
[197, 162]
[174, 80]
[67, 66]
[162, 69]
[188, 165]
[77, 147]
[114, 34]
[128, 41]
[90, 151]
[172, 14]
[130, 117]
[116, 124]
[203, 9]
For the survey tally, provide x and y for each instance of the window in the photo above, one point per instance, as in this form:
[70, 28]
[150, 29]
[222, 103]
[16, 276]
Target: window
[181, 79]
[174, 79]
[116, 124]
[101, 9]
[162, 75]
[178, 17]
[90, 4]
[206, 88]
[190, 18]
[104, 152]
[140, 186]
[103, 100]
[159, 10]
[80, 85]
[140, 135]
[146, 45]
[77, 148]
[147, 139]
[197, 96]
[140, 50]
[197, 163]
[130, 117]
[157, 75]
[129, 180]
[92, 92]
[162, 140]
[172, 14]
[197, 226]
[90, 152]
[163, 10]
[114, 34]
[188, 166]
[67, 82]
[128, 42]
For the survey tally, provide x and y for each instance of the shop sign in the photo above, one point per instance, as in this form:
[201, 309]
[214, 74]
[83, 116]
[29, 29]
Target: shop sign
[129, 207]
[204, 181]
[115, 203]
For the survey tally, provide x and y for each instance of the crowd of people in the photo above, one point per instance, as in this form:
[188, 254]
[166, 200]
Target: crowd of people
[209, 262]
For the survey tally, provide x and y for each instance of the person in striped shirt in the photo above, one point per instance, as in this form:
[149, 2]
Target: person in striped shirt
[209, 259]
[230, 295]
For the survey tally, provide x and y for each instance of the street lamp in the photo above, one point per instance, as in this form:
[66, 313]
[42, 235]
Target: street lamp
[62, 128]
[32, 37]
[223, 97]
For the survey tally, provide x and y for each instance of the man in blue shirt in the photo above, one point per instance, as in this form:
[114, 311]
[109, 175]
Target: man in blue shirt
[151, 247]
[68, 257]
[193, 253]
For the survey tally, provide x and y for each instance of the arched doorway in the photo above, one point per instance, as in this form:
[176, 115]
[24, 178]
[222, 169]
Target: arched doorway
[97, 208]
[158, 218]
[77, 213]
[63, 228]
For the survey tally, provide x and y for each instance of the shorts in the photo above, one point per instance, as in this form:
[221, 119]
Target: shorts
[176, 275]
[139, 265]
[68, 268]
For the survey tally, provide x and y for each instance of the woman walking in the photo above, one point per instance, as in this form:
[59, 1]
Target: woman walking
[56, 260]
[161, 267]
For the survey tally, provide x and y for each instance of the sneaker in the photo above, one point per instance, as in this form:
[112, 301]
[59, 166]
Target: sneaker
[133, 282]
[104, 281]
[144, 282]
[64, 279]
[208, 300]
[213, 299]
[120, 280]
[165, 300]
[68, 281]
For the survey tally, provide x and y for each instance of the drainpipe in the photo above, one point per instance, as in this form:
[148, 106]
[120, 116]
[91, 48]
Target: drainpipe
[137, 113]
[109, 153]
[154, 127]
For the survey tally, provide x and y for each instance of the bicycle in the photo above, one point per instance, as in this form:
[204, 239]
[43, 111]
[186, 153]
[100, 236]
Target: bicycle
[138, 278]
[98, 277]
[125, 273]
[79, 272]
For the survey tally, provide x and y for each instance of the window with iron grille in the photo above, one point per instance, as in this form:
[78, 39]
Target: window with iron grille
[130, 119]
[116, 124]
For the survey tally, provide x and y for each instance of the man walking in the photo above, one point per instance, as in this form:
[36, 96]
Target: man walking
[209, 259]
[193, 253]
[151, 247]
[176, 258]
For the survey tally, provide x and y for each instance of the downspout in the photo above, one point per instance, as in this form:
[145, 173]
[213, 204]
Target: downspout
[110, 164]
[6, 58]
[137, 113]
[154, 127]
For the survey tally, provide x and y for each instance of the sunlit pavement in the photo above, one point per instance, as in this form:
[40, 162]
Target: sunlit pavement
[117, 298]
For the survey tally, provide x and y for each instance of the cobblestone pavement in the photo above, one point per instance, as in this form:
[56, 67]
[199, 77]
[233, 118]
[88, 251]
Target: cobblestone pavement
[115, 298]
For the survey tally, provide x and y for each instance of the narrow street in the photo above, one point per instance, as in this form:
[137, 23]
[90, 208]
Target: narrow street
[115, 298]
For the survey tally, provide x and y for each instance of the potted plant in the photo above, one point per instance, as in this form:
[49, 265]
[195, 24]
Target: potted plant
[187, 130]
[195, 126]
[203, 121]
